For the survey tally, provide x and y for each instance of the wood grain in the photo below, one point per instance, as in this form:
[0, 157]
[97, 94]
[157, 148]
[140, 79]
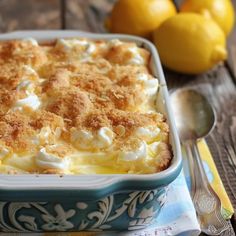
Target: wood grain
[87, 15]
[231, 63]
[29, 14]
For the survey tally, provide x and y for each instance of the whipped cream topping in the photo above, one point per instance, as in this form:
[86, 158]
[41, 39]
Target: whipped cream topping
[47, 135]
[105, 137]
[150, 85]
[90, 48]
[43, 136]
[82, 138]
[153, 147]
[137, 59]
[26, 86]
[147, 133]
[31, 101]
[45, 160]
[31, 40]
[114, 43]
[45, 132]
[28, 80]
[132, 155]
[85, 139]
[29, 70]
[68, 44]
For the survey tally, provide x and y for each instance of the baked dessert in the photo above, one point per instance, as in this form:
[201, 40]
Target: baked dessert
[76, 106]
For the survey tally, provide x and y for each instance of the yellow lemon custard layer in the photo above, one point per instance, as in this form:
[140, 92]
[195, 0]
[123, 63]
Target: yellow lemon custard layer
[76, 106]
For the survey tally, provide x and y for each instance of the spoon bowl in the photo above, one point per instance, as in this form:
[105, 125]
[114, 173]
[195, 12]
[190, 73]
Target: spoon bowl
[194, 116]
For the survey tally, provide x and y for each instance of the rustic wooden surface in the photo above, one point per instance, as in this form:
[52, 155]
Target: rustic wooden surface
[218, 85]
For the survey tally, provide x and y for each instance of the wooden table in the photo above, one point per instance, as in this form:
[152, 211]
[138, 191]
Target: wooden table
[219, 85]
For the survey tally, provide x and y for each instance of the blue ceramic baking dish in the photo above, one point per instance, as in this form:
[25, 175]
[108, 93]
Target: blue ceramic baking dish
[36, 203]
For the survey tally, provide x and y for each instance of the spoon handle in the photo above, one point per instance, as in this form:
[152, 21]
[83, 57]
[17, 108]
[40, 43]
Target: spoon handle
[191, 169]
[206, 202]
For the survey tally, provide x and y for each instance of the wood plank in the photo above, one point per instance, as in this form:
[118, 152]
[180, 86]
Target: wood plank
[76, 15]
[29, 14]
[87, 15]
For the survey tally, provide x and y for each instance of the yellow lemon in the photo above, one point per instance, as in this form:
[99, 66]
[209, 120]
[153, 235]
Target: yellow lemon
[139, 17]
[221, 11]
[190, 43]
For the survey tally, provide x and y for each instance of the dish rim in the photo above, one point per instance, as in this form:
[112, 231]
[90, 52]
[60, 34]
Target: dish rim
[102, 182]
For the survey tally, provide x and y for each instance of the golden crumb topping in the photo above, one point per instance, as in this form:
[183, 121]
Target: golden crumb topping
[125, 98]
[15, 131]
[7, 99]
[10, 75]
[46, 119]
[57, 81]
[119, 72]
[70, 104]
[94, 83]
[76, 106]
[21, 52]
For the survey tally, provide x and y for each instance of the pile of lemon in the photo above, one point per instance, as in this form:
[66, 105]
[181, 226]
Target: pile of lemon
[192, 41]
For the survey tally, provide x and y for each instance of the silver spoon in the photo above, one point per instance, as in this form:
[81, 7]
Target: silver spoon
[195, 118]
